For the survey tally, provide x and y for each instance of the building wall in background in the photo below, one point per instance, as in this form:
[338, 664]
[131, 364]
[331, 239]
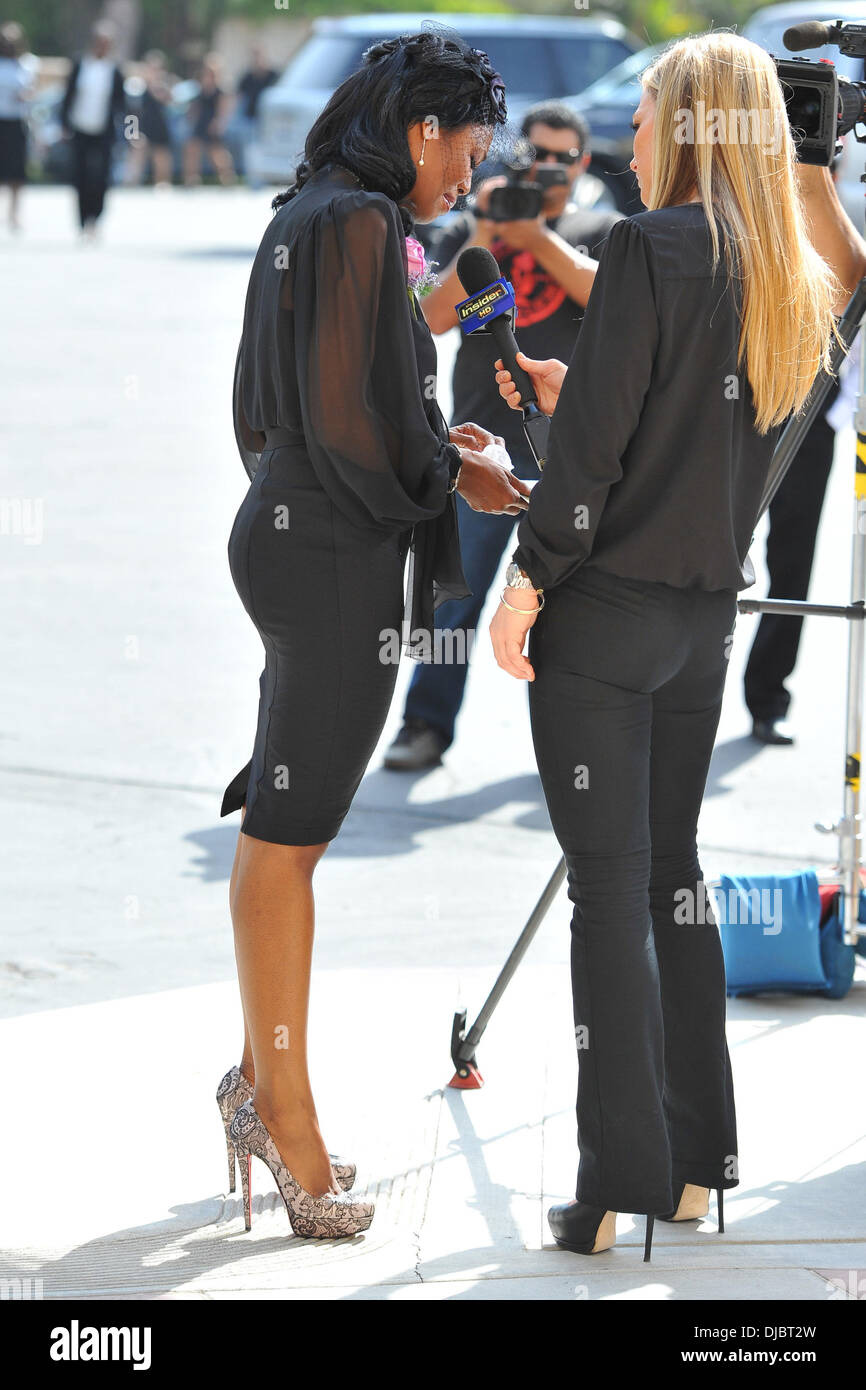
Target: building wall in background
[280, 38]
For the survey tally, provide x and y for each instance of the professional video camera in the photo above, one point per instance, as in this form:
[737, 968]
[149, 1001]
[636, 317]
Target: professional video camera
[822, 106]
[521, 198]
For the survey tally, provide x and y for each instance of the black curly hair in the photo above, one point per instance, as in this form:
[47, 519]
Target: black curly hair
[401, 80]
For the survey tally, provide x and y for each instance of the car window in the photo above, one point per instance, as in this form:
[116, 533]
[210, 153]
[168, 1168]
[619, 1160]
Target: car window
[325, 60]
[624, 77]
[533, 66]
[526, 63]
[586, 60]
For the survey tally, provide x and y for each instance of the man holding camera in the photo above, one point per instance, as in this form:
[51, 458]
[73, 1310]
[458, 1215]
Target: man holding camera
[547, 246]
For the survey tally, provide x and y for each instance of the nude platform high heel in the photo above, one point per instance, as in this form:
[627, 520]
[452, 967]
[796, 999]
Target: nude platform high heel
[581, 1228]
[694, 1203]
[589, 1230]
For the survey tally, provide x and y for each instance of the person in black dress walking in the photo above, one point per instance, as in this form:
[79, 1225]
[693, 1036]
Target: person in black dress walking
[208, 113]
[353, 470]
[154, 130]
[626, 574]
[15, 89]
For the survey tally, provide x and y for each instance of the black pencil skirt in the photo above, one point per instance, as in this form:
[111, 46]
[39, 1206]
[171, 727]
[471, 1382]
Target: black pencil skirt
[13, 151]
[326, 597]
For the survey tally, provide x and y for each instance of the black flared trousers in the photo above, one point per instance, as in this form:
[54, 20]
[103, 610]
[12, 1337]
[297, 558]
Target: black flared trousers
[624, 709]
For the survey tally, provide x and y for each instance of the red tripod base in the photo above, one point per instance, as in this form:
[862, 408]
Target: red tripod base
[468, 1078]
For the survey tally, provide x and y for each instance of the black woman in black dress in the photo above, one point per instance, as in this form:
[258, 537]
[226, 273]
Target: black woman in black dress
[352, 472]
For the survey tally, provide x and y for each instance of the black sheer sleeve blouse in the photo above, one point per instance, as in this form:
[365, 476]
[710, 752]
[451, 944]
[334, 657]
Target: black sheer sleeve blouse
[336, 349]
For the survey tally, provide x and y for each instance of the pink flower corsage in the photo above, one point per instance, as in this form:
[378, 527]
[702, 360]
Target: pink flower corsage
[422, 278]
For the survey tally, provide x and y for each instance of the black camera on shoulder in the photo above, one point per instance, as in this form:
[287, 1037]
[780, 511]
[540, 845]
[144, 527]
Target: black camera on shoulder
[822, 106]
[522, 198]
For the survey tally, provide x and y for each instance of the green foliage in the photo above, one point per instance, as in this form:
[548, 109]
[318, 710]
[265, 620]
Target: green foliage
[657, 21]
[265, 9]
[54, 26]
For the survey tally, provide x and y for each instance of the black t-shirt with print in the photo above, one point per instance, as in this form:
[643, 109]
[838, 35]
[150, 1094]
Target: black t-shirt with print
[548, 322]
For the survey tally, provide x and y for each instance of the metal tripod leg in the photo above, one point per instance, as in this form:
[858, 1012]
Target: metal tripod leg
[466, 1074]
[850, 841]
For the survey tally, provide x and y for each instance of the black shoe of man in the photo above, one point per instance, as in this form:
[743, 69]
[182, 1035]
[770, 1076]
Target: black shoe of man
[771, 731]
[417, 745]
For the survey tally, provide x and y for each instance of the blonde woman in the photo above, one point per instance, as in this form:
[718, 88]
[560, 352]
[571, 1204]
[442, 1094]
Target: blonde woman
[709, 319]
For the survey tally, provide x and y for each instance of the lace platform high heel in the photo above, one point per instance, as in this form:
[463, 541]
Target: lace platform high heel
[232, 1091]
[328, 1217]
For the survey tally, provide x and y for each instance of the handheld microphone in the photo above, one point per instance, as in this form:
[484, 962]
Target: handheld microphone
[488, 310]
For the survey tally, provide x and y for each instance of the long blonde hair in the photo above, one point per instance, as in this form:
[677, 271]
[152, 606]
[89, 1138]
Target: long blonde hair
[750, 188]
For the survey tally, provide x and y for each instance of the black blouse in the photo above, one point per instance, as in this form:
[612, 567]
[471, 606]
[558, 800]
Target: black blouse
[655, 468]
[336, 348]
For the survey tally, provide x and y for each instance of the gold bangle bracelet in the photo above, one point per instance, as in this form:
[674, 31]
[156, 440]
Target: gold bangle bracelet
[512, 609]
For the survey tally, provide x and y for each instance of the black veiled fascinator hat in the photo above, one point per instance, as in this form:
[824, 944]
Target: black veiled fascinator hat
[401, 80]
[489, 88]
[491, 77]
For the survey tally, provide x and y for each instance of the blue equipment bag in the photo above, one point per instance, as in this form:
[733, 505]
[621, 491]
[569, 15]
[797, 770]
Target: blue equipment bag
[772, 937]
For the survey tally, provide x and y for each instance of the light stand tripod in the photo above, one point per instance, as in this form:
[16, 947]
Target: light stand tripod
[848, 828]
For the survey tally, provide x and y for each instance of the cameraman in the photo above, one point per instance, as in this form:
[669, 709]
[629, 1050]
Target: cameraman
[795, 511]
[550, 261]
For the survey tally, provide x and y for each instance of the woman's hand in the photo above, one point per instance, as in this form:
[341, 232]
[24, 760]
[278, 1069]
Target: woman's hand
[508, 633]
[472, 436]
[488, 487]
[547, 378]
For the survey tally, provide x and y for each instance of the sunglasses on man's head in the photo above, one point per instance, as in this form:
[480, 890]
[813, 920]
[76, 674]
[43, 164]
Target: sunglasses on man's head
[561, 156]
